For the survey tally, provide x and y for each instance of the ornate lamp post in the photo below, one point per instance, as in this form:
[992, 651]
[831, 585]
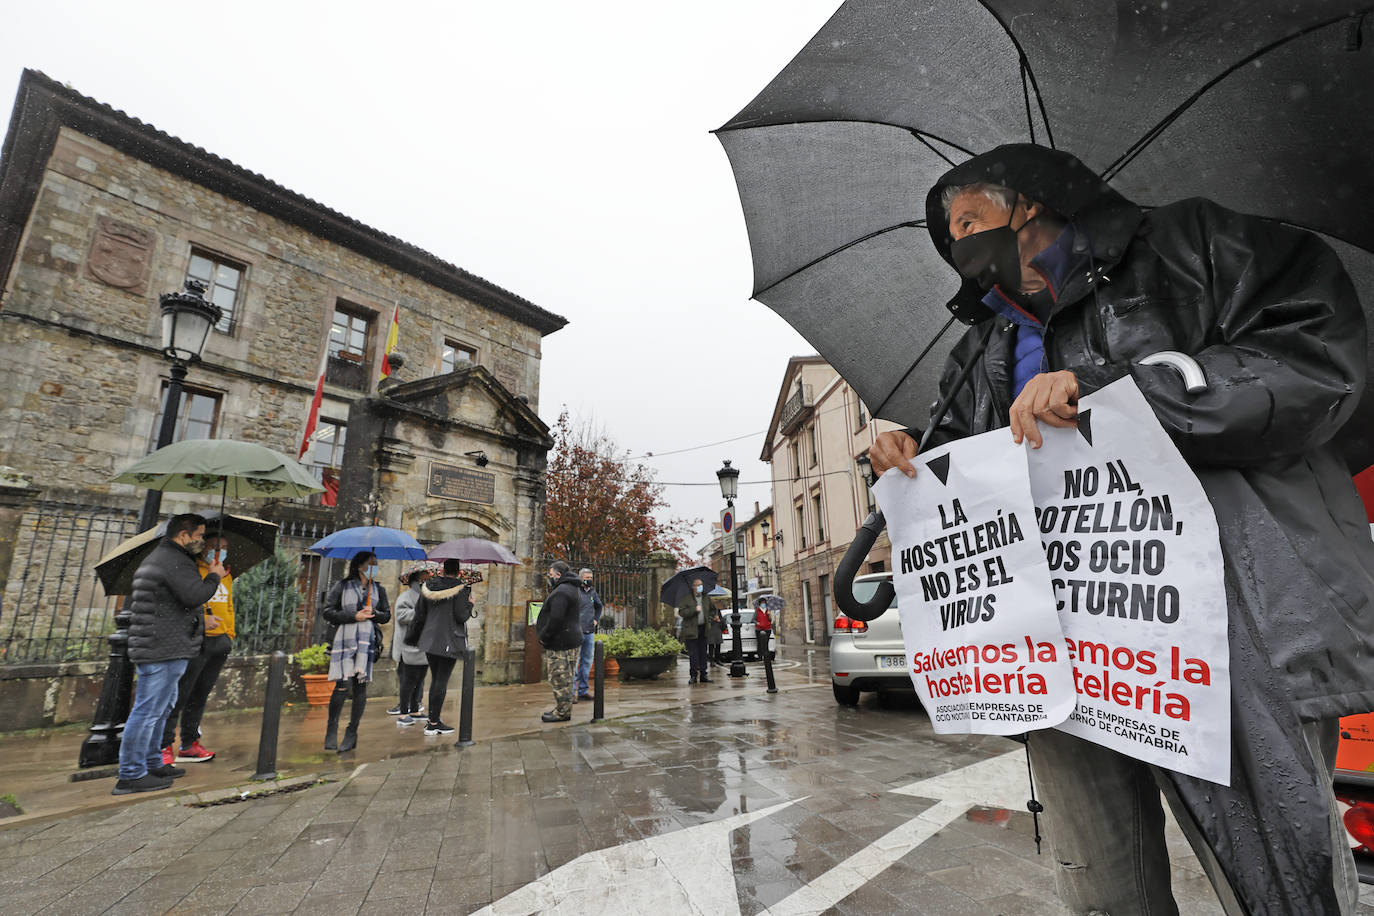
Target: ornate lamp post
[186, 322]
[729, 489]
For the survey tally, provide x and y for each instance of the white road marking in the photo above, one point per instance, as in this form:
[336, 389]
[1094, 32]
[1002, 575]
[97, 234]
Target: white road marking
[685, 871]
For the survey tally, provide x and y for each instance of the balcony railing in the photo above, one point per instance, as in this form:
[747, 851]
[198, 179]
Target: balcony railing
[347, 370]
[795, 409]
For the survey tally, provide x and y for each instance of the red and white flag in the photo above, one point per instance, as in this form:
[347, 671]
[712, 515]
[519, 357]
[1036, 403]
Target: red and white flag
[314, 417]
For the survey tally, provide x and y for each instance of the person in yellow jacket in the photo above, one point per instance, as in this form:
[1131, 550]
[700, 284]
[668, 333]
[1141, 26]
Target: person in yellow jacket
[193, 690]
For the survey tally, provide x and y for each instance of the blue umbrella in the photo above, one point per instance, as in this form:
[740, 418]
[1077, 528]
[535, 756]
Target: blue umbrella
[385, 543]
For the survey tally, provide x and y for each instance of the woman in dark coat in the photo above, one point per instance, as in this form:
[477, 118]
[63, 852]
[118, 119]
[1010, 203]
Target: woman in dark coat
[355, 606]
[440, 631]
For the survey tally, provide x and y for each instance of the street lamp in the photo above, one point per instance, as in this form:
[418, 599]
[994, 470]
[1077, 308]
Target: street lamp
[766, 528]
[865, 468]
[729, 489]
[186, 322]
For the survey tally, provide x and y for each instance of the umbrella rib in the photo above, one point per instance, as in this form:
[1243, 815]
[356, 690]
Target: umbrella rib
[910, 224]
[916, 131]
[912, 368]
[1153, 134]
[1026, 71]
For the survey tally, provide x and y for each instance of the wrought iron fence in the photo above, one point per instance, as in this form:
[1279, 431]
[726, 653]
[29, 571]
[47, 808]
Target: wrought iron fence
[624, 584]
[54, 608]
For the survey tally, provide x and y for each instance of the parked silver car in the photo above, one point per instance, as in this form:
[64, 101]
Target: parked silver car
[868, 656]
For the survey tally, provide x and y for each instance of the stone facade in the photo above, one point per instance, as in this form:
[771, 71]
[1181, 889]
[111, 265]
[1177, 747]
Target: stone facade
[99, 213]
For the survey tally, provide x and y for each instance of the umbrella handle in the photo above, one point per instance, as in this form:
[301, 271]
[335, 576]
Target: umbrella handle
[850, 606]
[1194, 379]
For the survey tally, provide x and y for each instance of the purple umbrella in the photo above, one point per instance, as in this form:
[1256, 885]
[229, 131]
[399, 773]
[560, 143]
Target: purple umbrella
[474, 550]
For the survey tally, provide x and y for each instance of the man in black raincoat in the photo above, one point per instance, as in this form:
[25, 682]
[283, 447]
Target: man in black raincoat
[1082, 284]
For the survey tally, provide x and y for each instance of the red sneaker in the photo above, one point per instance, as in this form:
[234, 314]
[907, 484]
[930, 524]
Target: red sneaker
[194, 754]
[167, 756]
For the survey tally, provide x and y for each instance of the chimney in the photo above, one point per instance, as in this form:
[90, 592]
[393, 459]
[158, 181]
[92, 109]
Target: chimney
[756, 507]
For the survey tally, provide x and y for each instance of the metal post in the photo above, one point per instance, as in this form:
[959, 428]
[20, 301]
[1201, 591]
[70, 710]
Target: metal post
[271, 717]
[599, 673]
[762, 638]
[465, 707]
[737, 668]
[152, 503]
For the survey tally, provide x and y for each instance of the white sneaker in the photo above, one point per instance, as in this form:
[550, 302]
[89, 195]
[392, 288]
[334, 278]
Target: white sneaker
[438, 728]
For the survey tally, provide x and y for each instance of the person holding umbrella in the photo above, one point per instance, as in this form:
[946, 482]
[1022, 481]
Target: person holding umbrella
[411, 663]
[354, 607]
[165, 631]
[694, 607]
[1272, 318]
[202, 670]
[439, 630]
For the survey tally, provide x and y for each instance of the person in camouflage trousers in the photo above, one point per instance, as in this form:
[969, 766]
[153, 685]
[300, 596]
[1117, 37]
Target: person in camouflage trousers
[559, 627]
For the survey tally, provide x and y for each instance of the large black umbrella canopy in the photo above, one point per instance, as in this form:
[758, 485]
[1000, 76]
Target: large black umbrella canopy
[1264, 108]
[680, 583]
[251, 540]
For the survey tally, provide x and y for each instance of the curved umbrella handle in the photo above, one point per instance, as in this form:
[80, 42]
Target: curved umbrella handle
[1194, 379]
[873, 608]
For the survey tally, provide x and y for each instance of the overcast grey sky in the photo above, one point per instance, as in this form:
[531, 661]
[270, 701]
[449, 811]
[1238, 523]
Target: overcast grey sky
[561, 150]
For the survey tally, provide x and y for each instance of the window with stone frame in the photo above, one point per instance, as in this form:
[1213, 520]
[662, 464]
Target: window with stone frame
[820, 523]
[452, 352]
[813, 442]
[350, 336]
[197, 415]
[801, 526]
[327, 447]
[224, 281]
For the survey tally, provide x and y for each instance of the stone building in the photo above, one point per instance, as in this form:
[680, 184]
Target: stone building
[99, 214]
[818, 431]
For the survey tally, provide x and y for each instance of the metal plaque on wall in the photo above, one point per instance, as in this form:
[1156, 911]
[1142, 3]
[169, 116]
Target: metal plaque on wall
[449, 482]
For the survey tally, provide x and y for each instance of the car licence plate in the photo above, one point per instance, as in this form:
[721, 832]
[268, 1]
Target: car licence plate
[891, 661]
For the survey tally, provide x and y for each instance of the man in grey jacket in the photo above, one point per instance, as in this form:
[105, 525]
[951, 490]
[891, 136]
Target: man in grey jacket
[165, 630]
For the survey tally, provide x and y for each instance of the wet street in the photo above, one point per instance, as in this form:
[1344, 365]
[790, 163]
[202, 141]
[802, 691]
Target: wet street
[786, 803]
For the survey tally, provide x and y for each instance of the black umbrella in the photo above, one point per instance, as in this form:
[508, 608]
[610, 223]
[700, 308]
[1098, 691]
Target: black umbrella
[681, 583]
[251, 540]
[1263, 107]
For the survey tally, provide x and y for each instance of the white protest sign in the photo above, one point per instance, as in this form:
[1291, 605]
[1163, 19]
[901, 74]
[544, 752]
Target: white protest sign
[1133, 554]
[983, 643]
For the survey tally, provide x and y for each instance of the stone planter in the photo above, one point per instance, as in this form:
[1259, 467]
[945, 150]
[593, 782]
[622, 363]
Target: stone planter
[318, 687]
[644, 668]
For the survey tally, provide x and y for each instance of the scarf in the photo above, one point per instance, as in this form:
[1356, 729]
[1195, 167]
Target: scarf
[351, 654]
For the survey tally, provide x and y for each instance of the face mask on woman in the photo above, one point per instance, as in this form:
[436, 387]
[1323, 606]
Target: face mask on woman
[219, 556]
[697, 589]
[371, 571]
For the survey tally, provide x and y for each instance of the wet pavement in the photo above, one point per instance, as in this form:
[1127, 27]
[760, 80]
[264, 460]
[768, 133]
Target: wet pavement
[743, 803]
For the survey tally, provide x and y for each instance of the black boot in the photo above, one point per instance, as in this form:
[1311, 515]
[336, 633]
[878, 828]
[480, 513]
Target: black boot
[331, 731]
[355, 715]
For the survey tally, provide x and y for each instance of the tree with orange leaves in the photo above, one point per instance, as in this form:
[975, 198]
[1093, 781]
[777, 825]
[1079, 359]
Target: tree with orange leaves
[601, 504]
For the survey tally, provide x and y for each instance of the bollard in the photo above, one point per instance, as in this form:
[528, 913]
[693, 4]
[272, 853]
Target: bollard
[599, 666]
[465, 707]
[271, 717]
[767, 658]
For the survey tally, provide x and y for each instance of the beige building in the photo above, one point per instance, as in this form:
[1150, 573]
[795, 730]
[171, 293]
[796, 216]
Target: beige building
[99, 214]
[818, 430]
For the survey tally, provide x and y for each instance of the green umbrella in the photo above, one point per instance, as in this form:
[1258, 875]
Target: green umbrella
[223, 467]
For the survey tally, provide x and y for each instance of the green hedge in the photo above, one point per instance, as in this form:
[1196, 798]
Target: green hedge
[646, 643]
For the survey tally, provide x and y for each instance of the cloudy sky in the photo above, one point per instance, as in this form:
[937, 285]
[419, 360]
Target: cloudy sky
[561, 150]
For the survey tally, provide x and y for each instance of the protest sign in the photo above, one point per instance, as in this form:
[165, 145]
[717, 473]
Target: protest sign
[1131, 544]
[983, 643]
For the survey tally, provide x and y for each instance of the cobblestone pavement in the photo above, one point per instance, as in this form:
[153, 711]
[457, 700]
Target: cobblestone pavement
[784, 803]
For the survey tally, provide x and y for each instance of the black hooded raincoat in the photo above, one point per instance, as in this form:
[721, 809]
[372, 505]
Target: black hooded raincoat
[1271, 316]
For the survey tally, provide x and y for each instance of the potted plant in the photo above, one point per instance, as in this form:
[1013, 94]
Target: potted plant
[607, 660]
[642, 653]
[314, 665]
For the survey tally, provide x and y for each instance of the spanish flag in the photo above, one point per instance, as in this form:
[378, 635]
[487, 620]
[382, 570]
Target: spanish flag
[391, 336]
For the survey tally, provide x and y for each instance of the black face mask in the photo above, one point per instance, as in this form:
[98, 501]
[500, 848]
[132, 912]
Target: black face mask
[991, 257]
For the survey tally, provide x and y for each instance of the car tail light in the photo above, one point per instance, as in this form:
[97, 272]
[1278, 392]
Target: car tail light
[844, 624]
[1359, 822]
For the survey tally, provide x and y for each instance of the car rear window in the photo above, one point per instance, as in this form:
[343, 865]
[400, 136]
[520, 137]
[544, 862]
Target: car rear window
[864, 590]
